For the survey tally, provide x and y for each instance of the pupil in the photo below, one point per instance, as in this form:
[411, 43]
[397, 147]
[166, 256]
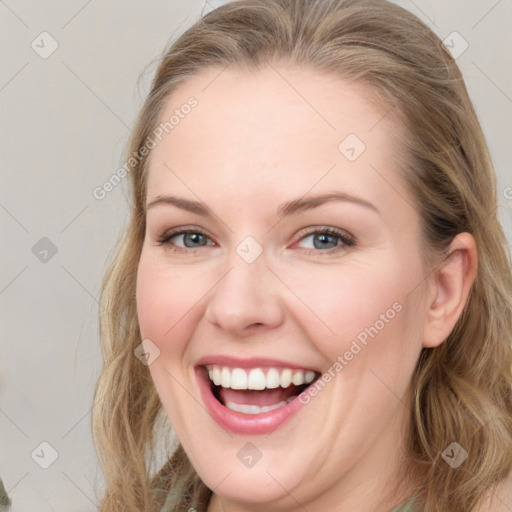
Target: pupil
[324, 239]
[193, 238]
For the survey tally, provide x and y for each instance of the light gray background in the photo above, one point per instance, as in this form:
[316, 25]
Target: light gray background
[64, 122]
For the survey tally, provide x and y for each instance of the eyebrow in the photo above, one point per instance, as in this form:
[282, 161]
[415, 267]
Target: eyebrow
[285, 209]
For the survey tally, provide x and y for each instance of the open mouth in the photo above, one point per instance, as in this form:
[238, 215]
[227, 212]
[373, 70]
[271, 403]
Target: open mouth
[254, 391]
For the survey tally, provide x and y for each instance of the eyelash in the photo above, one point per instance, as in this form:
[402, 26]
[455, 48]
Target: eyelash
[346, 239]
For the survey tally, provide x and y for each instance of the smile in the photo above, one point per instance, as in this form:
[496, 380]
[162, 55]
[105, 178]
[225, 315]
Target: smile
[250, 397]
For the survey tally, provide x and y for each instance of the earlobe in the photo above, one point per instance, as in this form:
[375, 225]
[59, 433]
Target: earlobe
[450, 283]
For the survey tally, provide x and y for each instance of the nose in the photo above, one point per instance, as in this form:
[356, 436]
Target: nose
[246, 300]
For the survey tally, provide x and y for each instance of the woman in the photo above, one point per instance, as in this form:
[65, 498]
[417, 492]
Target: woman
[314, 288]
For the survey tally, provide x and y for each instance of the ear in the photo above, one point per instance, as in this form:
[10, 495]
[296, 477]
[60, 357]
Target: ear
[449, 286]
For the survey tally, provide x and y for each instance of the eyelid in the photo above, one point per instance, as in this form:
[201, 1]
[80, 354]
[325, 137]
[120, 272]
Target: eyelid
[343, 234]
[347, 239]
[181, 230]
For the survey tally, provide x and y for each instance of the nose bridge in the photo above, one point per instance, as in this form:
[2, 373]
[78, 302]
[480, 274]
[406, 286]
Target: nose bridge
[246, 295]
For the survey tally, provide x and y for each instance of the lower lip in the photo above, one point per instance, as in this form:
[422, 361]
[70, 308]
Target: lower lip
[244, 424]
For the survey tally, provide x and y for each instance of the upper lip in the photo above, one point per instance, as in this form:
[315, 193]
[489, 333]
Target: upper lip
[251, 362]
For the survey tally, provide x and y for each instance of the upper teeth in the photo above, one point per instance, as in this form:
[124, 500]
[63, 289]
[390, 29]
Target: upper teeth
[240, 378]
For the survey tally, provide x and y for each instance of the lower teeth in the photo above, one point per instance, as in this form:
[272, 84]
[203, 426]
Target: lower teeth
[255, 409]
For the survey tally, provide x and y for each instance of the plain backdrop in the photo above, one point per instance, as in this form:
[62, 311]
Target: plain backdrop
[65, 118]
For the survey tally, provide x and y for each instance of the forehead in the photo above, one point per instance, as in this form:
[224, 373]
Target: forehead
[277, 128]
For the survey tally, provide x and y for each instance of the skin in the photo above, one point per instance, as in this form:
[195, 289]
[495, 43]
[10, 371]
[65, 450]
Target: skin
[254, 141]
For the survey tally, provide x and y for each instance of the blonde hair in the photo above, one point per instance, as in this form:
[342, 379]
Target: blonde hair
[463, 387]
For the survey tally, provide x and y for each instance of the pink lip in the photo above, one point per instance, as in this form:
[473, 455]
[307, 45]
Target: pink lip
[238, 423]
[253, 362]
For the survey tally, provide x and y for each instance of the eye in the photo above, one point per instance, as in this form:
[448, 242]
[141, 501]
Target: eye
[326, 240]
[183, 239]
[320, 240]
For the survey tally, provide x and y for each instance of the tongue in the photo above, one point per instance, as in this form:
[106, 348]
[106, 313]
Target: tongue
[260, 398]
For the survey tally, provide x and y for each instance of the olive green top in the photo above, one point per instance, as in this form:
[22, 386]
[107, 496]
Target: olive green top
[406, 506]
[5, 502]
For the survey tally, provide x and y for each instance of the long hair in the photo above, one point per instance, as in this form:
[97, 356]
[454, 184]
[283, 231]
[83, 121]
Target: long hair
[463, 387]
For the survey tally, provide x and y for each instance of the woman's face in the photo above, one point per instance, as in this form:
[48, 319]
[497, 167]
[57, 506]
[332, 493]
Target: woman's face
[301, 260]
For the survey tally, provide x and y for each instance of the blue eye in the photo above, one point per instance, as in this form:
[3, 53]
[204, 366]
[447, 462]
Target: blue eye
[327, 240]
[187, 239]
[321, 240]
[192, 239]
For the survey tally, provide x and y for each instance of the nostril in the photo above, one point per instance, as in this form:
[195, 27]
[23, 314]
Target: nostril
[256, 325]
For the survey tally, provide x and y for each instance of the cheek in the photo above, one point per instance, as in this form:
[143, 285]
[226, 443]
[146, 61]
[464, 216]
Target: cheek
[158, 315]
[165, 312]
[154, 303]
[370, 305]
[166, 300]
